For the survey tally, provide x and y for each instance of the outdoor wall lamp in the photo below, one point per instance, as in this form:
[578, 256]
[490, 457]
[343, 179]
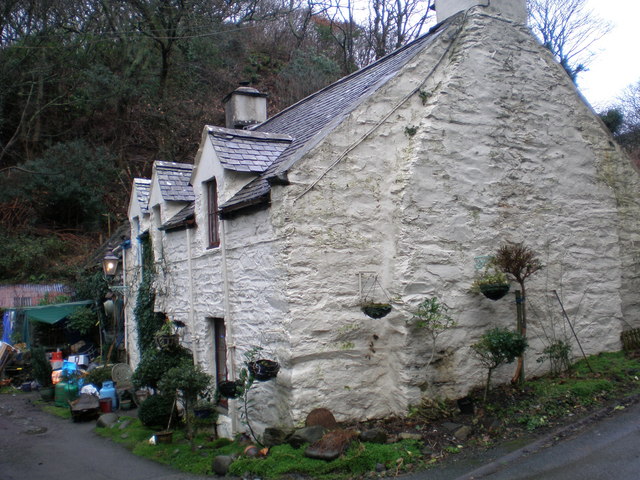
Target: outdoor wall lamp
[110, 264]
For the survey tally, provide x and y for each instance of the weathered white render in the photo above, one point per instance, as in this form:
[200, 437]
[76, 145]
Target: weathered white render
[476, 138]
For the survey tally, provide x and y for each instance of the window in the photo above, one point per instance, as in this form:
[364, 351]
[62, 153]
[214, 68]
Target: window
[220, 353]
[220, 348]
[212, 213]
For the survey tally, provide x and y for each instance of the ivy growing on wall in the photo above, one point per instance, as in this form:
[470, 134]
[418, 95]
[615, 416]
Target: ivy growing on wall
[147, 321]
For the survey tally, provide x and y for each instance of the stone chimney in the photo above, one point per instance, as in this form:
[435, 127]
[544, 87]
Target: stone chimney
[245, 106]
[515, 10]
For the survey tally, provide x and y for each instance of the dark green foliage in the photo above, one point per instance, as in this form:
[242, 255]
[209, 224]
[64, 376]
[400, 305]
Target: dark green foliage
[83, 320]
[41, 368]
[97, 376]
[148, 322]
[66, 184]
[190, 382]
[496, 347]
[499, 346]
[155, 411]
[613, 119]
[558, 354]
[155, 363]
[25, 258]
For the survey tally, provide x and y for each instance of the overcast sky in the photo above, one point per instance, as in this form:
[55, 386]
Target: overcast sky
[617, 65]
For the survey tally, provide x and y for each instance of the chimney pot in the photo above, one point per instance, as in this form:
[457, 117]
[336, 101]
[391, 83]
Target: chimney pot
[515, 10]
[245, 106]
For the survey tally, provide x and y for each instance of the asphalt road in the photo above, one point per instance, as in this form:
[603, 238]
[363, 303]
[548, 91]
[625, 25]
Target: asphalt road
[38, 446]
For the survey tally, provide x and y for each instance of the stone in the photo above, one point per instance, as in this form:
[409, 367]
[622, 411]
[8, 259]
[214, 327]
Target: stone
[221, 464]
[322, 417]
[374, 435]
[451, 426]
[274, 436]
[409, 436]
[380, 467]
[463, 432]
[107, 420]
[306, 435]
[124, 436]
[331, 445]
[124, 424]
[35, 430]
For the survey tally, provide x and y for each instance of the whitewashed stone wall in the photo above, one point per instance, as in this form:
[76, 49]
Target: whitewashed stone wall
[496, 147]
[493, 146]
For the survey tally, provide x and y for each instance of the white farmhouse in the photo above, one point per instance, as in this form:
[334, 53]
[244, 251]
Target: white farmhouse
[390, 184]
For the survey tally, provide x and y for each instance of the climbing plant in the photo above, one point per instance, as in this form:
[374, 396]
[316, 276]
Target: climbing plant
[148, 322]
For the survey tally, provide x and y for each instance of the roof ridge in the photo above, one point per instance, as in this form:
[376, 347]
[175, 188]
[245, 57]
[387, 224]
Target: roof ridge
[359, 72]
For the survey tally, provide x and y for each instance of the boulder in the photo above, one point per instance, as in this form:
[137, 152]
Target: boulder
[322, 417]
[331, 445]
[463, 433]
[221, 464]
[274, 436]
[306, 435]
[107, 420]
[374, 435]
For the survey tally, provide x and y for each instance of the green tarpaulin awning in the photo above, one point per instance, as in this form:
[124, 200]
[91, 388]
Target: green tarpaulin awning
[53, 313]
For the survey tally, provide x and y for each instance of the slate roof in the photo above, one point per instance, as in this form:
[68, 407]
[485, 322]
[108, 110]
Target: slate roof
[173, 179]
[185, 218]
[247, 151]
[143, 188]
[312, 118]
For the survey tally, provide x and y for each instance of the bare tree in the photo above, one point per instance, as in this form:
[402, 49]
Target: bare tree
[394, 23]
[569, 30]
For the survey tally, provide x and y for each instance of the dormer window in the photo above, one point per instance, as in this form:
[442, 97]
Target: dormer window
[212, 213]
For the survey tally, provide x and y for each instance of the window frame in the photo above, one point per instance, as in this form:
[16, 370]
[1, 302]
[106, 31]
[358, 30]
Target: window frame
[213, 222]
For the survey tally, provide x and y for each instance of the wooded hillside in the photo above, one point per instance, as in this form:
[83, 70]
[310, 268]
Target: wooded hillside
[93, 91]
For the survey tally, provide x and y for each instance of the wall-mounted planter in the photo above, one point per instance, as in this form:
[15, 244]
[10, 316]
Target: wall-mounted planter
[263, 369]
[376, 310]
[494, 292]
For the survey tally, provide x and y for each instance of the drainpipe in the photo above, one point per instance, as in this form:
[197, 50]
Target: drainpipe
[228, 320]
[191, 319]
[125, 302]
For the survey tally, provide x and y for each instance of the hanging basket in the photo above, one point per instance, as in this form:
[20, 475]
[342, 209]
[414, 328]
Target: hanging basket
[376, 310]
[228, 389]
[263, 369]
[494, 292]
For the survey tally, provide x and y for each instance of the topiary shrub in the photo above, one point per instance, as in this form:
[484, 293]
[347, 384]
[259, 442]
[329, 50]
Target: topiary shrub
[155, 364]
[155, 411]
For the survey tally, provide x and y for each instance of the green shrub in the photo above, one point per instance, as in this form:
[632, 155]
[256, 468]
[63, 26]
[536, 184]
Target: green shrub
[155, 411]
[155, 363]
[496, 347]
[41, 366]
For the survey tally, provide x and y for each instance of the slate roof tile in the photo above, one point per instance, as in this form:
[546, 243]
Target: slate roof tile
[185, 218]
[246, 151]
[312, 118]
[143, 188]
[173, 179]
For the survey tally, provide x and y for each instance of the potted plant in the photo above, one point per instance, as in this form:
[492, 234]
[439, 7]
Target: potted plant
[42, 373]
[376, 310]
[187, 382]
[492, 283]
[263, 369]
[230, 388]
